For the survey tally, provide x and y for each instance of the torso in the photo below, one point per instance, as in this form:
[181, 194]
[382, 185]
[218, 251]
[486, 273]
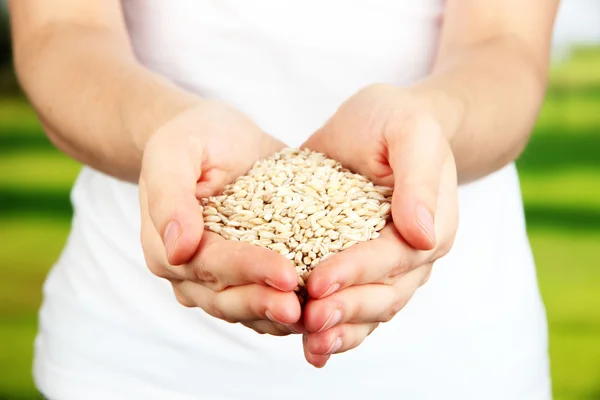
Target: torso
[109, 327]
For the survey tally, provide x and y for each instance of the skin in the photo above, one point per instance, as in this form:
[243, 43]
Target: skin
[460, 123]
[183, 148]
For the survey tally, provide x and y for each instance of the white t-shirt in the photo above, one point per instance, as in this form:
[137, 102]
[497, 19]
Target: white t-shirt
[109, 329]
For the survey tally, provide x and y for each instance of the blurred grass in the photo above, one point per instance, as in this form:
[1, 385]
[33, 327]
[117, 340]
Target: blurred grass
[560, 181]
[560, 177]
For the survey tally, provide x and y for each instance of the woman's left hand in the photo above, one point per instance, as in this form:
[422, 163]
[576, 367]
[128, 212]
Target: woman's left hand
[386, 134]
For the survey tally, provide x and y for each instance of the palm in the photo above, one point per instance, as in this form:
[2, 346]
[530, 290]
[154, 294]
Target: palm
[361, 119]
[219, 142]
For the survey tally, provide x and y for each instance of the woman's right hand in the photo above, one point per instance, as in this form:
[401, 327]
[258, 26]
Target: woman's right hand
[193, 156]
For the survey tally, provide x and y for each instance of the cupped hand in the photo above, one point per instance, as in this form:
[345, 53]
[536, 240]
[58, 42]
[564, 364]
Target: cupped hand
[191, 157]
[386, 134]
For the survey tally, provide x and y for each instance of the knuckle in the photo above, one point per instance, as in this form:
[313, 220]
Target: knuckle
[387, 316]
[397, 306]
[393, 309]
[158, 268]
[400, 267]
[390, 280]
[397, 269]
[217, 286]
[361, 274]
[214, 308]
[352, 311]
[183, 299]
[255, 327]
[203, 274]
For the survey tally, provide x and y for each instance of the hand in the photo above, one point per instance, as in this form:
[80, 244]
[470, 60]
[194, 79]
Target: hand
[383, 133]
[194, 156]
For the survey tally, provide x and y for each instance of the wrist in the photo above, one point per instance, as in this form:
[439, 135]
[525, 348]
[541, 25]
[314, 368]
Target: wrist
[446, 107]
[147, 102]
[162, 118]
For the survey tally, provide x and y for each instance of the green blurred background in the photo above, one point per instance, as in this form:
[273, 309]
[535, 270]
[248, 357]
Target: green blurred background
[560, 175]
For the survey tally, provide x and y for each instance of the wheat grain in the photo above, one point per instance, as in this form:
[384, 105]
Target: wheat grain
[302, 205]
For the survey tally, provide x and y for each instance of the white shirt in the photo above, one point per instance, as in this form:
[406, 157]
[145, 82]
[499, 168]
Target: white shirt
[109, 329]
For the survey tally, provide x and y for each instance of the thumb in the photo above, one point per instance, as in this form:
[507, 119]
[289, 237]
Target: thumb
[170, 171]
[417, 155]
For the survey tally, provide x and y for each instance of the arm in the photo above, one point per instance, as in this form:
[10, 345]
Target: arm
[96, 102]
[471, 116]
[476, 110]
[489, 79]
[103, 108]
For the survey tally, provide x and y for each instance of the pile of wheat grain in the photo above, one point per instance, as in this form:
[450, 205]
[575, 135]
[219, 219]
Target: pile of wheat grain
[302, 205]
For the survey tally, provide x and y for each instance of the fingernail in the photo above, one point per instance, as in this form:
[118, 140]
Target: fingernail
[271, 318]
[273, 285]
[337, 344]
[172, 233]
[335, 286]
[425, 220]
[334, 319]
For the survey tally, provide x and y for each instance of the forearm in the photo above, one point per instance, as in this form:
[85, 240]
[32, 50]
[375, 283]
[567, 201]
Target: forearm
[486, 98]
[96, 102]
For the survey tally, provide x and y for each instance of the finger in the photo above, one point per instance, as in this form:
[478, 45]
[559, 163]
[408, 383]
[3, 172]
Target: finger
[218, 263]
[446, 222]
[363, 304]
[338, 340]
[316, 360]
[374, 261]
[417, 152]
[170, 172]
[243, 303]
[222, 263]
[270, 328]
[152, 244]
